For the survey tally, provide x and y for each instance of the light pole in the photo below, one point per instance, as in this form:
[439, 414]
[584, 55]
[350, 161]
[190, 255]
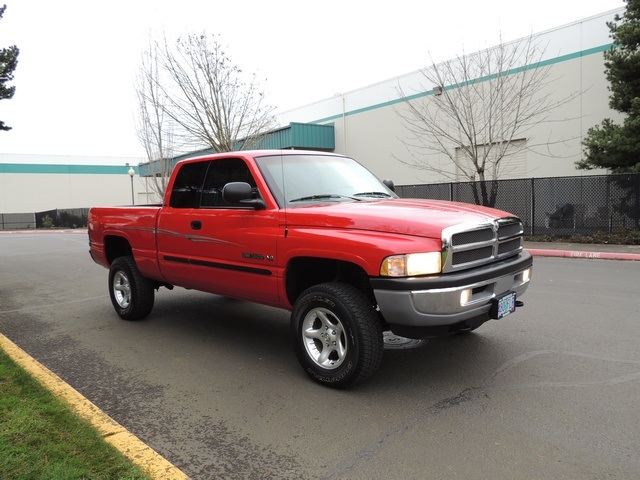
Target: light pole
[132, 172]
[344, 121]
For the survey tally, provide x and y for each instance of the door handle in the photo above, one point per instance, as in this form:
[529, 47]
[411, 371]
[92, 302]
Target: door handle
[196, 225]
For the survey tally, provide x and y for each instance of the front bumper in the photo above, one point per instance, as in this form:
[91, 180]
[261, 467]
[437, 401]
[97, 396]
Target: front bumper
[424, 302]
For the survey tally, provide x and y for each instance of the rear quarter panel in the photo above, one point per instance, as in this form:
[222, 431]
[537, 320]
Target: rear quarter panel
[137, 225]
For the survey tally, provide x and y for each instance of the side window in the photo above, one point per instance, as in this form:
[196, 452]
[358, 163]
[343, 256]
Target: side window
[219, 174]
[187, 189]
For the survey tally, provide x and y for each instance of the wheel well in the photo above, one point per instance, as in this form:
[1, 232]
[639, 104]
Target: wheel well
[304, 272]
[115, 247]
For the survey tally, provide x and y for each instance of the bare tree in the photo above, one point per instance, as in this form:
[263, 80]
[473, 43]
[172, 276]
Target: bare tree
[154, 126]
[191, 96]
[208, 98]
[478, 114]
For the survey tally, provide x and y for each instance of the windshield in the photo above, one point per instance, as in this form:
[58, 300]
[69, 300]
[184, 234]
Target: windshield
[297, 180]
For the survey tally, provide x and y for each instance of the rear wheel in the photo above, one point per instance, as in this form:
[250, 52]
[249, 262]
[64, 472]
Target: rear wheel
[132, 295]
[337, 334]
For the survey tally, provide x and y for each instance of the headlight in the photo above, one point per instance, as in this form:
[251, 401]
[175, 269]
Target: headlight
[411, 264]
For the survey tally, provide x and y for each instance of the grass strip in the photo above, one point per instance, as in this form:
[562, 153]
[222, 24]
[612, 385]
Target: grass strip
[41, 438]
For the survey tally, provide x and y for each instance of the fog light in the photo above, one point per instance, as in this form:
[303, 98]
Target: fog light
[465, 296]
[526, 275]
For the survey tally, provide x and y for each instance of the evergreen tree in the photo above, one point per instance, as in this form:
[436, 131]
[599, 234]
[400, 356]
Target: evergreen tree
[8, 63]
[609, 145]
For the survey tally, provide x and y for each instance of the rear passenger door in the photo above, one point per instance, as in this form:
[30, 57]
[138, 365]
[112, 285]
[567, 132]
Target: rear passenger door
[174, 239]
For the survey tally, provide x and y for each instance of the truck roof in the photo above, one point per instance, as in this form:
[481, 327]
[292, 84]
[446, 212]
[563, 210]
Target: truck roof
[258, 153]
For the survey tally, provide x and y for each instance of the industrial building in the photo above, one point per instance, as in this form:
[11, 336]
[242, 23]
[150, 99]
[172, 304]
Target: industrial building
[365, 124]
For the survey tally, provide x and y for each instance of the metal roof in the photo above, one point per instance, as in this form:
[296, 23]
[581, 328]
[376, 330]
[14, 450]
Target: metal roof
[300, 136]
[295, 136]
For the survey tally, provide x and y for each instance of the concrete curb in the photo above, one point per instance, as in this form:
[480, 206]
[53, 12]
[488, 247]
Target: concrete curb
[583, 254]
[156, 466]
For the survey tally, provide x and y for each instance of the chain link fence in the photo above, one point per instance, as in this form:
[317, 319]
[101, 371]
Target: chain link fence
[547, 206]
[58, 218]
[555, 205]
[65, 218]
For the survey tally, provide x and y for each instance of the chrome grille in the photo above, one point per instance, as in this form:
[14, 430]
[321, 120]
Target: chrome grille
[472, 237]
[468, 256]
[471, 245]
[508, 230]
[509, 246]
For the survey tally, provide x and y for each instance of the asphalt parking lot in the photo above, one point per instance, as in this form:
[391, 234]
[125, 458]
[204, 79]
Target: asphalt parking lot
[213, 385]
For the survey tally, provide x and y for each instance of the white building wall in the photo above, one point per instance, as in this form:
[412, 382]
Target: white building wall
[27, 183]
[369, 128]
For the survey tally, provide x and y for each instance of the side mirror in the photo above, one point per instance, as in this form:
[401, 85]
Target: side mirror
[389, 184]
[241, 193]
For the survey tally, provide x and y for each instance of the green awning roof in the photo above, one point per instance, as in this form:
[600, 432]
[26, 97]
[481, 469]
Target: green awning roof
[300, 136]
[295, 136]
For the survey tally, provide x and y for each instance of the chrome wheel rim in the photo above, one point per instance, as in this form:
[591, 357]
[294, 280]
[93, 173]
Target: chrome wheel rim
[324, 338]
[122, 289]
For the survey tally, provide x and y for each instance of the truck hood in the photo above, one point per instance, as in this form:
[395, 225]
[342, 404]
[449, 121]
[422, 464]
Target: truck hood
[424, 218]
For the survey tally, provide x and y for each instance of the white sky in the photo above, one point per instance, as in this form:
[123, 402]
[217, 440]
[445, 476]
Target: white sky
[78, 58]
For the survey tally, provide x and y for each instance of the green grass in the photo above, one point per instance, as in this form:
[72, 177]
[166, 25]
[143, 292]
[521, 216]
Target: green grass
[42, 439]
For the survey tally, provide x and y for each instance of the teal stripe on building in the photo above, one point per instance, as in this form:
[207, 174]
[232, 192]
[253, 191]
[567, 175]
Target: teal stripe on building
[560, 59]
[47, 169]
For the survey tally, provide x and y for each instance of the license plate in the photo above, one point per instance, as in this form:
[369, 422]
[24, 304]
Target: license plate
[504, 305]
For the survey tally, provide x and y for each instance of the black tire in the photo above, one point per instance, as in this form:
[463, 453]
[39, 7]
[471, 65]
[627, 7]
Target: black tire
[132, 295]
[343, 343]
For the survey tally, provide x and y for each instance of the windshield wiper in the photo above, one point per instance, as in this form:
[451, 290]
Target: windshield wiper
[372, 194]
[326, 196]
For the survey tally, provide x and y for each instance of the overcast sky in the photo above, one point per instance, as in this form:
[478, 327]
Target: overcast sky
[78, 58]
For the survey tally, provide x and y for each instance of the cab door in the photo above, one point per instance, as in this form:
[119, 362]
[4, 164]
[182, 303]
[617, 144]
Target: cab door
[233, 250]
[224, 248]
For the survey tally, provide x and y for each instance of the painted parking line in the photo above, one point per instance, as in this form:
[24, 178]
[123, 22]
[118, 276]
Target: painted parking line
[155, 465]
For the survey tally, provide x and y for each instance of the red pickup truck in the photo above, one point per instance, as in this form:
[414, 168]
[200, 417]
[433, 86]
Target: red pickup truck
[319, 235]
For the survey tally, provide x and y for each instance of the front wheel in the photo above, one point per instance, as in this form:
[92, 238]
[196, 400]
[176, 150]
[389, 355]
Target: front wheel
[132, 295]
[337, 334]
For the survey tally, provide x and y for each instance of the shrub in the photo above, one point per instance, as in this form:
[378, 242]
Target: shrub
[47, 222]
